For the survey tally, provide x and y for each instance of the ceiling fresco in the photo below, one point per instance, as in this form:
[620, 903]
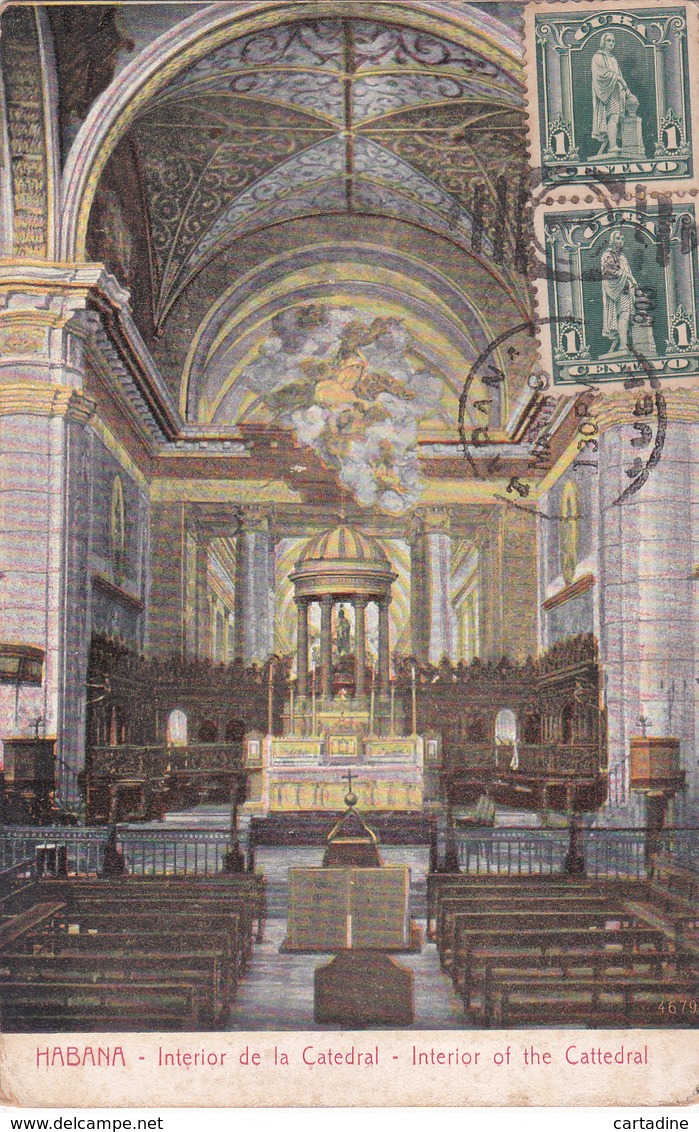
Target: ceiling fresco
[354, 390]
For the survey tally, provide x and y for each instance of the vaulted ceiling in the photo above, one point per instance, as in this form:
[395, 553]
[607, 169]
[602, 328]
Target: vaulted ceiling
[338, 170]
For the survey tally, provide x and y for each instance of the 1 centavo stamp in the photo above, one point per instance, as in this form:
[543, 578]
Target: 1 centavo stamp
[612, 92]
[621, 292]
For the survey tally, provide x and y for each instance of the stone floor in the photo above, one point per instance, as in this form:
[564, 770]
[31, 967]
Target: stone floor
[277, 991]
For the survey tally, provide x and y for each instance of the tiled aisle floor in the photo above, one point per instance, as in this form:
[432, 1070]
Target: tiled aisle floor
[277, 991]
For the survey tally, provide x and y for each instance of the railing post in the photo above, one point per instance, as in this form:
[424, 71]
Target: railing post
[574, 864]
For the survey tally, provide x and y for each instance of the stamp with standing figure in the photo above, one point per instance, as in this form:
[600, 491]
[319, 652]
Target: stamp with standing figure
[612, 92]
[621, 295]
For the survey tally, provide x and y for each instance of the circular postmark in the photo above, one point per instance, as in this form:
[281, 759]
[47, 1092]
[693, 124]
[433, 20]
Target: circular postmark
[649, 420]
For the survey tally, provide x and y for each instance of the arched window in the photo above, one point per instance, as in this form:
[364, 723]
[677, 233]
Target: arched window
[208, 732]
[506, 736]
[177, 729]
[235, 731]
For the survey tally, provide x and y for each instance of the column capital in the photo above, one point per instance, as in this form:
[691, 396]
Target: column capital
[40, 399]
[428, 520]
[254, 519]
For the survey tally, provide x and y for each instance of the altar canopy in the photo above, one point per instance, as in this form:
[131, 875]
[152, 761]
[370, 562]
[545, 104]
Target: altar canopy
[343, 716]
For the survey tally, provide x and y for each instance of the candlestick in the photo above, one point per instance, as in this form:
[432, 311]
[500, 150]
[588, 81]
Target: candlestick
[393, 708]
[270, 698]
[372, 699]
[313, 700]
[414, 701]
[291, 710]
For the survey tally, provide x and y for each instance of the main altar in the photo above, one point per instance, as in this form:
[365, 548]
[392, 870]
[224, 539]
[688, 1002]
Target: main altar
[341, 715]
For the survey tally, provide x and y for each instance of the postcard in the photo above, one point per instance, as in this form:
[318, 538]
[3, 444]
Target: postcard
[349, 553]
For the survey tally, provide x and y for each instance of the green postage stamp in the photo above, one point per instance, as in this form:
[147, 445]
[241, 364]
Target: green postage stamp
[622, 293]
[613, 97]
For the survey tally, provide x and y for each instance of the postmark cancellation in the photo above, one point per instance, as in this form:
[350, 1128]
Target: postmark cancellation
[620, 295]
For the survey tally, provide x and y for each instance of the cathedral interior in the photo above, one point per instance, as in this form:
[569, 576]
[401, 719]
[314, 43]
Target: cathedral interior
[283, 498]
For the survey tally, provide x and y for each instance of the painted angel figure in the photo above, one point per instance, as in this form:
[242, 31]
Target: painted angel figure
[618, 289]
[610, 95]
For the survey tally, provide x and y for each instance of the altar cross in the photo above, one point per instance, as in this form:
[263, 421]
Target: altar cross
[350, 797]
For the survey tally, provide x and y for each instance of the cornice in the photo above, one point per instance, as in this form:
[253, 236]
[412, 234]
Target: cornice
[38, 298]
[618, 408]
[40, 399]
[575, 589]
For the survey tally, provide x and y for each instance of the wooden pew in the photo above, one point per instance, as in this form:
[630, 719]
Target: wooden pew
[488, 968]
[13, 928]
[203, 970]
[245, 887]
[438, 883]
[625, 940]
[612, 1000]
[598, 915]
[188, 925]
[136, 946]
[83, 911]
[121, 1005]
[486, 902]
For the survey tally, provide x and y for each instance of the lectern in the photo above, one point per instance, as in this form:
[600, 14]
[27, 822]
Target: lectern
[357, 907]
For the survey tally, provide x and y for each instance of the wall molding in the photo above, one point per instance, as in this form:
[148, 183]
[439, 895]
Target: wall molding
[116, 593]
[575, 589]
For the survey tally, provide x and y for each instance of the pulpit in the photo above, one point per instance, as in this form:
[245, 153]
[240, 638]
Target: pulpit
[655, 772]
[30, 774]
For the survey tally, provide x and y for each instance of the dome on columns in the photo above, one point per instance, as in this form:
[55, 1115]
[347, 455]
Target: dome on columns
[344, 544]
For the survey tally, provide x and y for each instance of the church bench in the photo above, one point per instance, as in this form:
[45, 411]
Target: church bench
[204, 970]
[122, 914]
[624, 939]
[248, 887]
[118, 899]
[675, 883]
[611, 1000]
[119, 1005]
[440, 885]
[597, 914]
[125, 944]
[487, 966]
[184, 926]
[24, 923]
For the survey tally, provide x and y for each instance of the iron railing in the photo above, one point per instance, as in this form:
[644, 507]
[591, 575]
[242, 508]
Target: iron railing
[607, 852]
[512, 851]
[158, 852]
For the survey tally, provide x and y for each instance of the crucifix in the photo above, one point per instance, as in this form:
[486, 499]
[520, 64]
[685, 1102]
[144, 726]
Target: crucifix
[350, 796]
[644, 721]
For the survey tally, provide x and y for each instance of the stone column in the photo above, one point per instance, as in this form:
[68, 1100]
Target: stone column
[384, 648]
[326, 645]
[648, 549]
[360, 644]
[419, 591]
[302, 647]
[254, 629]
[434, 620]
[203, 610]
[45, 506]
